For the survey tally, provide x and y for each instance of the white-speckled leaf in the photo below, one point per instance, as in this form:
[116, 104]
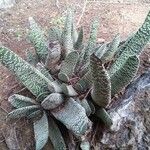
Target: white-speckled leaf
[101, 92]
[41, 131]
[74, 117]
[23, 112]
[68, 65]
[56, 136]
[19, 101]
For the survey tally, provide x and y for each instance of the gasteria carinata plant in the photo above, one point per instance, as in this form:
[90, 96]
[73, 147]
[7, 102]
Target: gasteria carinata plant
[71, 80]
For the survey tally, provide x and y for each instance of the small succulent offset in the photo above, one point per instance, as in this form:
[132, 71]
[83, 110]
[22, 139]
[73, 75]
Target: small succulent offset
[71, 81]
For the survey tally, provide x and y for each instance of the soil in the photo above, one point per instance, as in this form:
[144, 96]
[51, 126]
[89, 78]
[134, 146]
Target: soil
[120, 17]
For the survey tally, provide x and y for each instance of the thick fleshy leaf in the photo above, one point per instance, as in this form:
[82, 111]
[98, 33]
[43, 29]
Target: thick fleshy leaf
[85, 145]
[124, 75]
[63, 77]
[44, 71]
[32, 78]
[93, 37]
[41, 131]
[112, 49]
[84, 103]
[74, 32]
[101, 91]
[23, 111]
[31, 58]
[91, 42]
[55, 34]
[99, 52]
[79, 41]
[84, 83]
[36, 114]
[67, 40]
[56, 136]
[133, 46]
[83, 70]
[67, 67]
[19, 101]
[104, 116]
[52, 101]
[92, 107]
[54, 55]
[37, 37]
[73, 116]
[68, 90]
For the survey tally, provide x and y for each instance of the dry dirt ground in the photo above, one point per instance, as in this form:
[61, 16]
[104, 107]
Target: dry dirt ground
[118, 16]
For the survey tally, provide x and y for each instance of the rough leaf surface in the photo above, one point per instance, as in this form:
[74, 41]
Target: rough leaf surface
[134, 45]
[37, 37]
[84, 83]
[69, 64]
[79, 41]
[23, 111]
[33, 79]
[73, 116]
[19, 101]
[66, 35]
[101, 92]
[41, 131]
[124, 75]
[52, 101]
[56, 136]
[112, 49]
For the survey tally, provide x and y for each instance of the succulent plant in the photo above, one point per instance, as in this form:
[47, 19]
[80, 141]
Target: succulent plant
[69, 80]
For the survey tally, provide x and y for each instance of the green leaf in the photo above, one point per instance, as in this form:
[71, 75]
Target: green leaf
[99, 51]
[68, 66]
[23, 111]
[32, 79]
[79, 41]
[54, 55]
[104, 116]
[112, 49]
[41, 131]
[55, 34]
[85, 145]
[37, 37]
[84, 83]
[68, 90]
[19, 101]
[91, 42]
[84, 103]
[36, 114]
[52, 101]
[93, 37]
[101, 91]
[82, 70]
[124, 75]
[56, 136]
[44, 71]
[73, 116]
[67, 40]
[63, 77]
[74, 32]
[133, 46]
[31, 58]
